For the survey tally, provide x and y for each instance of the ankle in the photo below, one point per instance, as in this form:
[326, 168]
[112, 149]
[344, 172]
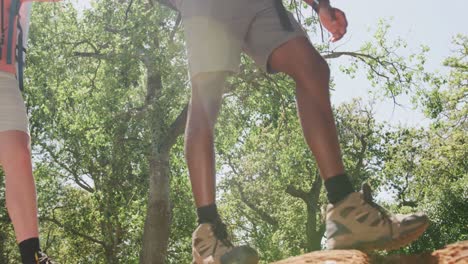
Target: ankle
[207, 214]
[338, 188]
[28, 249]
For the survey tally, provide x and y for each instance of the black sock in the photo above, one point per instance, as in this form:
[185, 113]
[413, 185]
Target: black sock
[28, 249]
[207, 214]
[338, 188]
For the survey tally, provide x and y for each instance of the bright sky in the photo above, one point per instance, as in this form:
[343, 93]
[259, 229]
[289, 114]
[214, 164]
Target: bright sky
[419, 22]
[429, 22]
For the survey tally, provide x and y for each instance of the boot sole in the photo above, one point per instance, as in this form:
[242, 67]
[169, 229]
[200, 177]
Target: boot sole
[395, 243]
[388, 243]
[240, 255]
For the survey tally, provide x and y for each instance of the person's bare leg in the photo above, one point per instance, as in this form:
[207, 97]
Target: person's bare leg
[210, 240]
[21, 203]
[352, 219]
[299, 59]
[207, 90]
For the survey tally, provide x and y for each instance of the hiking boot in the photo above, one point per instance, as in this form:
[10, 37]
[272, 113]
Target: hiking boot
[210, 245]
[357, 222]
[42, 258]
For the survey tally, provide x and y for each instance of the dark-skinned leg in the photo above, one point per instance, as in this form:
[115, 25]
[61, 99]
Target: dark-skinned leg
[207, 90]
[210, 239]
[299, 59]
[352, 219]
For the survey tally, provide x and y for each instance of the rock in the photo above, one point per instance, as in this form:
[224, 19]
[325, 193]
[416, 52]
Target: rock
[455, 253]
[452, 254]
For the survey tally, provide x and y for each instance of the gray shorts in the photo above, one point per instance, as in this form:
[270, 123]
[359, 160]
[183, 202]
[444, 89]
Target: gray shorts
[12, 109]
[217, 31]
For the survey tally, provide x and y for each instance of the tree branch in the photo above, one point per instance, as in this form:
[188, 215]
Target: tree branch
[73, 173]
[91, 55]
[175, 130]
[315, 190]
[73, 231]
[262, 214]
[176, 26]
[294, 192]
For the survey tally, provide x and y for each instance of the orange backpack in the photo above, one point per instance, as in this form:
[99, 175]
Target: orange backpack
[12, 39]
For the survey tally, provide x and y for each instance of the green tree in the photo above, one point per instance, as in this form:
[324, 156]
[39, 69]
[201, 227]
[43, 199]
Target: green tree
[106, 113]
[108, 103]
[429, 165]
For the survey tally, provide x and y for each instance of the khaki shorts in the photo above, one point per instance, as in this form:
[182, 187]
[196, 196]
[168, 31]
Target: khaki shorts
[217, 31]
[12, 109]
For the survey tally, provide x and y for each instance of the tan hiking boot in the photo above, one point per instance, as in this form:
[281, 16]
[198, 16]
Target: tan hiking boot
[42, 258]
[210, 245]
[357, 222]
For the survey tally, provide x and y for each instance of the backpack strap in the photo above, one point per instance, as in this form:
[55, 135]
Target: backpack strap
[20, 59]
[2, 24]
[11, 51]
[283, 15]
[14, 10]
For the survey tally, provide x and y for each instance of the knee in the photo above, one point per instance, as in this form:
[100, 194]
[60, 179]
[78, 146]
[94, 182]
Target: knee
[15, 155]
[323, 68]
[207, 91]
[300, 60]
[210, 84]
[15, 152]
[313, 67]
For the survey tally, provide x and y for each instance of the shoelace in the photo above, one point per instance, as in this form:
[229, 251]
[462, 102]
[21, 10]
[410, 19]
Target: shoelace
[220, 232]
[43, 259]
[367, 193]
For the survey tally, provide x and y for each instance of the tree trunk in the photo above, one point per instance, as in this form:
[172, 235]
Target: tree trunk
[314, 229]
[111, 256]
[313, 239]
[158, 218]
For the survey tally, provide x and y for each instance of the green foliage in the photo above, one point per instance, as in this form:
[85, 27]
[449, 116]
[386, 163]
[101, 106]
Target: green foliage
[94, 121]
[90, 128]
[427, 167]
[387, 65]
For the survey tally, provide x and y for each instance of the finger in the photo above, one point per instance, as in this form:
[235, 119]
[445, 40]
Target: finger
[342, 31]
[333, 38]
[345, 20]
[337, 36]
[333, 14]
[342, 18]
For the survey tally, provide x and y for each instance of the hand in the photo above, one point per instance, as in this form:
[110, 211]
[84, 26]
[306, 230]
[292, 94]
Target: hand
[334, 20]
